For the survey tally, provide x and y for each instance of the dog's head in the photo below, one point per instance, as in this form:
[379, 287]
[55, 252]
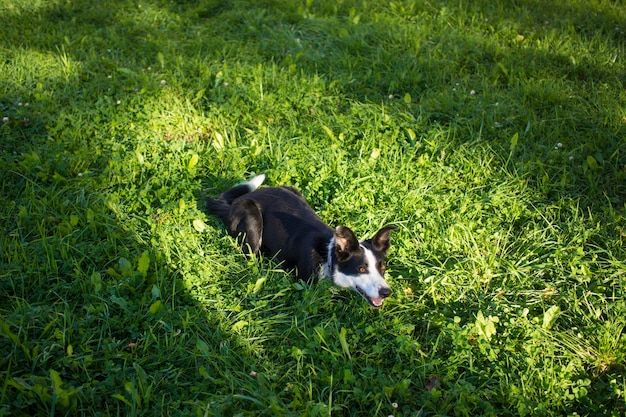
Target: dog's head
[361, 265]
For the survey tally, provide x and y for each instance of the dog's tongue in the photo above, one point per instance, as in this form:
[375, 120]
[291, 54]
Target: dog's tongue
[377, 302]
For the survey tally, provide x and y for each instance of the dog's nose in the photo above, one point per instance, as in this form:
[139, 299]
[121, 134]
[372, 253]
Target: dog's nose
[384, 292]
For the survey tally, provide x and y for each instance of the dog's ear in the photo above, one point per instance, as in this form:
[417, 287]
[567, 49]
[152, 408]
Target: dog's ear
[380, 241]
[345, 243]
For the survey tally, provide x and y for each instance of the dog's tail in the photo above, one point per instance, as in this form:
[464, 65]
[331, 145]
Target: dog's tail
[220, 206]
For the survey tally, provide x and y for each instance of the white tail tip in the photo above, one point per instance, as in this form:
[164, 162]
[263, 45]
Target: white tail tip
[256, 182]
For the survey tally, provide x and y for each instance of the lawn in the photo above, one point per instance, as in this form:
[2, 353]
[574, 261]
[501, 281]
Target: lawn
[493, 133]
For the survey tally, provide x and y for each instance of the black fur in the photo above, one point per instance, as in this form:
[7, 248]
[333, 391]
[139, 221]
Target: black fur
[278, 221]
[283, 211]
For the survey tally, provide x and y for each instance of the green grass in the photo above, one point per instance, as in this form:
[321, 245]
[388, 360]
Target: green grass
[492, 133]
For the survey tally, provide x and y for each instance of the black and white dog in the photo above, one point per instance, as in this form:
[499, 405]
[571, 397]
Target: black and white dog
[278, 221]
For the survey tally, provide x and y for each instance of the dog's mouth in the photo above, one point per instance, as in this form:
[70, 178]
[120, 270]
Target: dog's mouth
[374, 302]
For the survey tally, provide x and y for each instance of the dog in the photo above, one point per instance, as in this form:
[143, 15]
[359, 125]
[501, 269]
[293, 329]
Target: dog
[278, 221]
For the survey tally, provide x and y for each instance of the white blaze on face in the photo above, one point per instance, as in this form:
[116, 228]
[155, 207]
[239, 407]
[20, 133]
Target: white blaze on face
[371, 282]
[367, 284]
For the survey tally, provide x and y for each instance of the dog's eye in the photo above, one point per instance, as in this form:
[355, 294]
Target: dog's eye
[362, 269]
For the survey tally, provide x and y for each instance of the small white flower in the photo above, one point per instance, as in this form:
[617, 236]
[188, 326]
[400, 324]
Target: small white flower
[80, 174]
[473, 93]
[109, 76]
[163, 82]
[390, 96]
[559, 145]
[5, 120]
[394, 405]
[571, 158]
[118, 102]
